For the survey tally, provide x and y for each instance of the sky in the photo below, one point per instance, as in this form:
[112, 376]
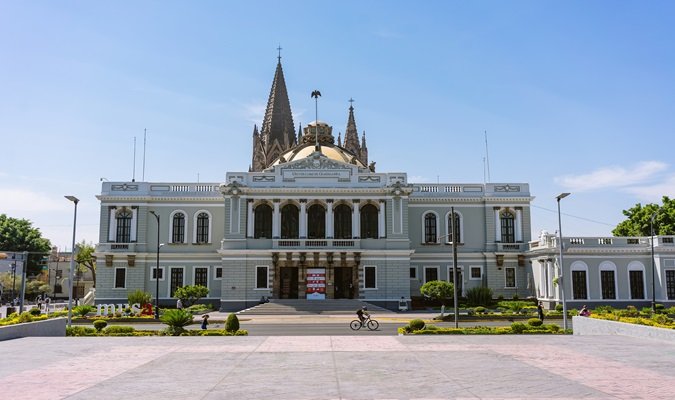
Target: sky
[572, 96]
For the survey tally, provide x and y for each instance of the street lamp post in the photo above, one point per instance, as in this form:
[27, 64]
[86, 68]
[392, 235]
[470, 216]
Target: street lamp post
[75, 200]
[562, 267]
[157, 269]
[651, 226]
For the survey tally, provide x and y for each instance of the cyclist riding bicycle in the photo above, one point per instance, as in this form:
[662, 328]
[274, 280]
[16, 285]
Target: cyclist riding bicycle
[362, 313]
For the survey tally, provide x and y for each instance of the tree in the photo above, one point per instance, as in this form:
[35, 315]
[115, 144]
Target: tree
[639, 219]
[190, 294]
[438, 290]
[85, 259]
[18, 235]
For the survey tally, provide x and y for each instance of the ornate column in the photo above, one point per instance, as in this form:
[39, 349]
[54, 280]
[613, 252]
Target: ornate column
[276, 220]
[498, 227]
[249, 219]
[303, 219]
[356, 219]
[381, 229]
[330, 221]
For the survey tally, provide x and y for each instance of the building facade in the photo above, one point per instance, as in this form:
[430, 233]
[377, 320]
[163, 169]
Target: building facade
[310, 219]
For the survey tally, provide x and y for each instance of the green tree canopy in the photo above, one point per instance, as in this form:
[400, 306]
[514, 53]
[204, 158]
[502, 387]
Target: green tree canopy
[190, 294]
[438, 290]
[85, 259]
[639, 219]
[18, 235]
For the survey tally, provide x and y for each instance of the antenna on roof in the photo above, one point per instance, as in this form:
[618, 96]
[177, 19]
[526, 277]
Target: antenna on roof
[133, 174]
[145, 132]
[487, 157]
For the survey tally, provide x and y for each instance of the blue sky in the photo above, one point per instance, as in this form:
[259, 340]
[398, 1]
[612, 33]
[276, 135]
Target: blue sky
[575, 96]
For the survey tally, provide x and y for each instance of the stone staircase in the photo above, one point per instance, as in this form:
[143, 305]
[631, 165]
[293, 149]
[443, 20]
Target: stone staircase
[310, 307]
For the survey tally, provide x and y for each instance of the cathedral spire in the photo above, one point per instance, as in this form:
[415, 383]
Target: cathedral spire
[278, 123]
[351, 142]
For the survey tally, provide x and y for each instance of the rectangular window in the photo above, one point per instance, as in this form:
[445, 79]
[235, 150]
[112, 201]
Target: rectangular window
[510, 277]
[413, 272]
[120, 278]
[176, 279]
[608, 284]
[670, 284]
[219, 273]
[637, 287]
[579, 285]
[261, 281]
[156, 272]
[202, 276]
[476, 273]
[370, 280]
[430, 274]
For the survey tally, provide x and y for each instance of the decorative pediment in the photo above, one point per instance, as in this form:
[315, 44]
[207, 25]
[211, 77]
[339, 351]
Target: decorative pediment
[316, 161]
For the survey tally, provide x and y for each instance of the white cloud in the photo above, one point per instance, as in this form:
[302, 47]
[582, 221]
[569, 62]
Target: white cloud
[654, 193]
[16, 202]
[613, 176]
[254, 113]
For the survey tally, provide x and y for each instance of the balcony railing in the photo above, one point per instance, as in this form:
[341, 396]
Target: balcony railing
[506, 247]
[316, 243]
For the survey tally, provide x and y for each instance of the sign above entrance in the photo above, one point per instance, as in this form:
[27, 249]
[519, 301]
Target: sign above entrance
[340, 174]
[316, 284]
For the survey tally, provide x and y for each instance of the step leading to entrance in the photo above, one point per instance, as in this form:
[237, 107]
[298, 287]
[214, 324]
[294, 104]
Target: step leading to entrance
[309, 307]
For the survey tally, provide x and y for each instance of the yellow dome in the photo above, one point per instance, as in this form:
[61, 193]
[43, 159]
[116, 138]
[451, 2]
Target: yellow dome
[332, 152]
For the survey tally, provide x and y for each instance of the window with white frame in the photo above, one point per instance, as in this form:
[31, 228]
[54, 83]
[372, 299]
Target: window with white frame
[510, 277]
[178, 227]
[202, 228]
[430, 274]
[636, 280]
[157, 272]
[370, 277]
[579, 280]
[476, 272]
[430, 228]
[219, 273]
[120, 278]
[201, 276]
[608, 280]
[508, 227]
[413, 272]
[457, 228]
[670, 284]
[261, 277]
[176, 279]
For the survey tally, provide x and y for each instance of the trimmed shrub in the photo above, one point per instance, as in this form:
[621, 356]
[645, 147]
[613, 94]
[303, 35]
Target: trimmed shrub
[200, 308]
[416, 324]
[479, 296]
[190, 294]
[232, 323]
[480, 310]
[553, 328]
[534, 322]
[117, 330]
[431, 328]
[140, 297]
[518, 327]
[35, 311]
[99, 324]
[559, 307]
[80, 331]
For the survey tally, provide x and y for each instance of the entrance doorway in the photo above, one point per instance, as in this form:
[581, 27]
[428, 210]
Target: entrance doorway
[344, 288]
[289, 283]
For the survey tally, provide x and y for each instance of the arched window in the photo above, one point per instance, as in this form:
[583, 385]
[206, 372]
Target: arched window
[262, 227]
[202, 227]
[369, 227]
[458, 230]
[178, 228]
[290, 222]
[316, 222]
[342, 217]
[430, 228]
[123, 218]
[508, 227]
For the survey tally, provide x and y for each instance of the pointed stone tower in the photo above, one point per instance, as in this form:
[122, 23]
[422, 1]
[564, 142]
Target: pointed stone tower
[277, 133]
[351, 142]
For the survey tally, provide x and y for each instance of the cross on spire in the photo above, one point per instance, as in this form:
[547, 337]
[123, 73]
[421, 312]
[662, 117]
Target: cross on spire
[279, 49]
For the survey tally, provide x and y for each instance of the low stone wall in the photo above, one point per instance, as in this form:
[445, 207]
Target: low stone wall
[48, 327]
[592, 326]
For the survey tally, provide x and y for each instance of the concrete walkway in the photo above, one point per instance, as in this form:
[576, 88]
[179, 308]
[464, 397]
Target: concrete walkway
[338, 367]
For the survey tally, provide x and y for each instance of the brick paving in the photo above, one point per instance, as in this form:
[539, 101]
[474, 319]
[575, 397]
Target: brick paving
[338, 367]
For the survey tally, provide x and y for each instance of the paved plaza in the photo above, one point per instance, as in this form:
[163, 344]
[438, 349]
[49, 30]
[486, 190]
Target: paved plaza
[338, 367]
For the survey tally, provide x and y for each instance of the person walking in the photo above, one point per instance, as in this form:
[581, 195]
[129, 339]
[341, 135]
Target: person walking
[205, 321]
[179, 304]
[540, 311]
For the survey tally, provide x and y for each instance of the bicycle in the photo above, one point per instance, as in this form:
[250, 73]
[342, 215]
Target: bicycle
[367, 321]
